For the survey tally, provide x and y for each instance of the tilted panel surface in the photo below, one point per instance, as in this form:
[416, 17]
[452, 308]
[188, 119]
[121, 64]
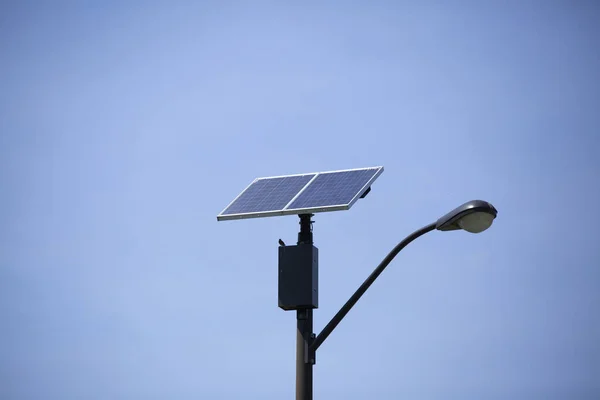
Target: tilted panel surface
[268, 194]
[333, 188]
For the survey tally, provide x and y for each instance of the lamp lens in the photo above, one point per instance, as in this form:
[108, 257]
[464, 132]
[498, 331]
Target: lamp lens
[476, 222]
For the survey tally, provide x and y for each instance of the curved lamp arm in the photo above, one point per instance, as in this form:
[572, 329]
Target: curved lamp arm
[363, 288]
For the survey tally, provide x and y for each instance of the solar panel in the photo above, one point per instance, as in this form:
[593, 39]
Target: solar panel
[333, 188]
[301, 194]
[267, 194]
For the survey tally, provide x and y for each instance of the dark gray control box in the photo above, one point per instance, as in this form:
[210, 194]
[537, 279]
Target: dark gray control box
[298, 277]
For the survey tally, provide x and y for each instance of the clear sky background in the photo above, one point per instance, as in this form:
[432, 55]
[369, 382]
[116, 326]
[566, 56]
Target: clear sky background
[127, 126]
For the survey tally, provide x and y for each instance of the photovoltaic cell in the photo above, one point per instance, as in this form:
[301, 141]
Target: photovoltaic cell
[334, 188]
[298, 194]
[268, 194]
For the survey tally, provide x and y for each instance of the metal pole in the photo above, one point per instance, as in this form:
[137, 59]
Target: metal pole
[363, 288]
[304, 358]
[304, 335]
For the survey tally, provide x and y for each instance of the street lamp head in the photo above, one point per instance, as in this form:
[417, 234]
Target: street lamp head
[474, 216]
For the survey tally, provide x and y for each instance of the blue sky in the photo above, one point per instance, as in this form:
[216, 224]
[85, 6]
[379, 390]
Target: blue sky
[125, 127]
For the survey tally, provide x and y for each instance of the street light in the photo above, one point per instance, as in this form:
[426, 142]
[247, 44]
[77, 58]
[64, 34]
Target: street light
[298, 266]
[474, 216]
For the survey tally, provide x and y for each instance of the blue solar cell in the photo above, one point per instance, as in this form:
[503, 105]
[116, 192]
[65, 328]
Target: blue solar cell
[268, 194]
[333, 188]
[297, 194]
